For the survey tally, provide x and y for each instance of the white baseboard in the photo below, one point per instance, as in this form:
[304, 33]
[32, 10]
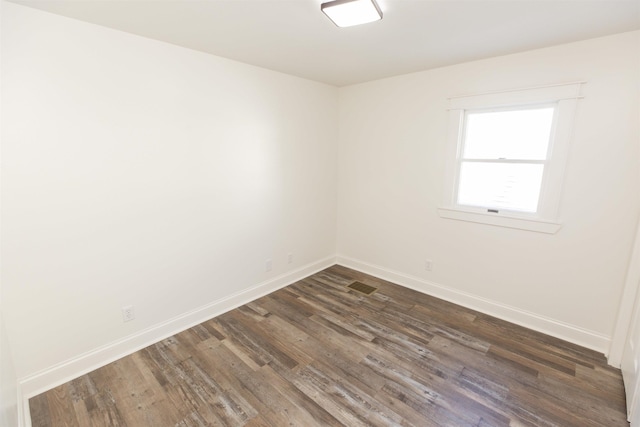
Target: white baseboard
[565, 331]
[61, 373]
[24, 416]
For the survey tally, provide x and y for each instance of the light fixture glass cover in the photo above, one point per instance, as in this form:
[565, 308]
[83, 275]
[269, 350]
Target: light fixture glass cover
[346, 13]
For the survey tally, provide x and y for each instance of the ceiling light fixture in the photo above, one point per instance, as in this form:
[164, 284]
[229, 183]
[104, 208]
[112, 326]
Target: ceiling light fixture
[346, 13]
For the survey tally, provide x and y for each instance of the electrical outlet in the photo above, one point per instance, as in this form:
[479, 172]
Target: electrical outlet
[428, 265]
[289, 258]
[268, 265]
[128, 314]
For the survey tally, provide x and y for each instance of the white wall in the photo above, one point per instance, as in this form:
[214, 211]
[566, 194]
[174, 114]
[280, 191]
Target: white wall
[391, 166]
[8, 380]
[140, 173]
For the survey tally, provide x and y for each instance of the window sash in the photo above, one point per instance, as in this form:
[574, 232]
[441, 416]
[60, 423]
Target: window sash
[502, 142]
[515, 161]
[496, 192]
[495, 207]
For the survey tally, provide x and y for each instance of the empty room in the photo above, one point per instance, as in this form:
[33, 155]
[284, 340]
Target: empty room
[319, 213]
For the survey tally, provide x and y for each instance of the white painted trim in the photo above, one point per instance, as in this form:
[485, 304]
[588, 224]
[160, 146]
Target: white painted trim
[506, 97]
[627, 302]
[24, 416]
[546, 218]
[500, 220]
[580, 82]
[61, 373]
[546, 325]
[39, 382]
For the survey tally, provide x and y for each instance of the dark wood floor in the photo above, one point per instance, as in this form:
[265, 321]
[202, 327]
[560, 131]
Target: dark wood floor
[319, 354]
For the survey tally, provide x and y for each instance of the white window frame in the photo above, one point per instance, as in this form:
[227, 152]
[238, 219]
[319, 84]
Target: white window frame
[564, 98]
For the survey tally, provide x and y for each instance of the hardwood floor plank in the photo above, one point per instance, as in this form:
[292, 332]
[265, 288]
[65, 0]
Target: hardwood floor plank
[561, 391]
[40, 411]
[343, 362]
[531, 360]
[318, 353]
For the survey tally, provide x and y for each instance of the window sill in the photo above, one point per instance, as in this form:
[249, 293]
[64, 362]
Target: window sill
[500, 220]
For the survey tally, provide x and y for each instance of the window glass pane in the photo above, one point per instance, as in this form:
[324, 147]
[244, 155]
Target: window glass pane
[511, 134]
[507, 186]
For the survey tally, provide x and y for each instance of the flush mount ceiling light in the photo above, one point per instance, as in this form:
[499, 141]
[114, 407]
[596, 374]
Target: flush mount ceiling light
[346, 13]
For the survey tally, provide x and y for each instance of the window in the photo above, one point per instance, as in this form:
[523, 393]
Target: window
[506, 156]
[503, 158]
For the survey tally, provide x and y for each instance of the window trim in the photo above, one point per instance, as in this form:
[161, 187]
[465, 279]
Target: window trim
[546, 220]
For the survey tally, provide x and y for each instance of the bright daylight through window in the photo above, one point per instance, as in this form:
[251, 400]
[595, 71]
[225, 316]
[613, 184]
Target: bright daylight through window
[506, 156]
[503, 158]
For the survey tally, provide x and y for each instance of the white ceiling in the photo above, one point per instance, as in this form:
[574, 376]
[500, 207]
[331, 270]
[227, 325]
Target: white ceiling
[294, 37]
